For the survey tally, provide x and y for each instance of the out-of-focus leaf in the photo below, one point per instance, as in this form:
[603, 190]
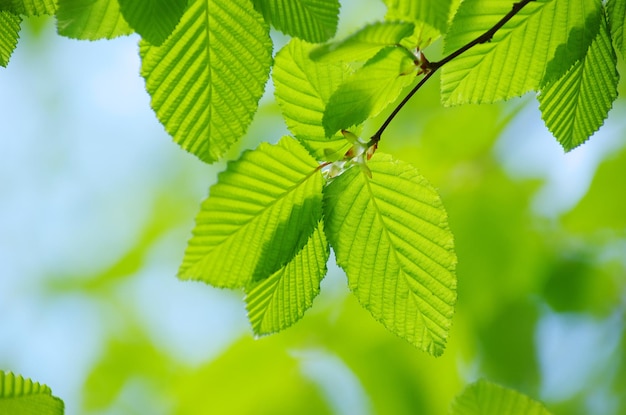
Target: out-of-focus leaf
[9, 33]
[365, 43]
[430, 18]
[390, 234]
[576, 105]
[20, 396]
[370, 89]
[206, 79]
[91, 19]
[311, 20]
[258, 216]
[29, 7]
[303, 89]
[154, 20]
[485, 398]
[616, 13]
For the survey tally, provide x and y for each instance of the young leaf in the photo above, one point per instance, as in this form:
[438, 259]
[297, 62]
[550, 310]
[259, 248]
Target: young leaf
[616, 11]
[25, 397]
[258, 216]
[390, 235]
[154, 20]
[29, 7]
[514, 61]
[311, 20]
[9, 34]
[365, 43]
[370, 89]
[485, 398]
[280, 300]
[303, 89]
[91, 20]
[206, 79]
[576, 105]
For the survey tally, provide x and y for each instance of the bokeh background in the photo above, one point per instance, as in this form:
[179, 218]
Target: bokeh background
[97, 204]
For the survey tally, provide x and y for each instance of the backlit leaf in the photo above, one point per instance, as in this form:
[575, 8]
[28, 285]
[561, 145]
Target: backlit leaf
[485, 398]
[616, 12]
[516, 59]
[258, 216]
[9, 34]
[91, 19]
[390, 235]
[20, 396]
[370, 89]
[365, 43]
[154, 20]
[303, 89]
[311, 20]
[280, 300]
[206, 79]
[430, 18]
[29, 7]
[576, 105]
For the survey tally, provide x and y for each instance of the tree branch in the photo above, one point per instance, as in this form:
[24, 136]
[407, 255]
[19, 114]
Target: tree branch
[431, 67]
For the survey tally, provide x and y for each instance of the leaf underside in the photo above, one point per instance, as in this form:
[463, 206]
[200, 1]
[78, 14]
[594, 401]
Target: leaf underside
[29, 7]
[25, 397]
[515, 61]
[303, 89]
[280, 300]
[154, 20]
[616, 12]
[258, 216]
[485, 398]
[430, 18]
[91, 20]
[310, 20]
[206, 79]
[9, 34]
[576, 105]
[390, 235]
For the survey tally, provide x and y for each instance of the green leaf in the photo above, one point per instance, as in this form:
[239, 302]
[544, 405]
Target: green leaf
[434, 13]
[370, 89]
[311, 20]
[390, 235]
[280, 300]
[576, 105]
[616, 10]
[29, 7]
[9, 34]
[91, 19]
[365, 43]
[516, 59]
[154, 20]
[206, 79]
[303, 88]
[485, 398]
[258, 216]
[19, 396]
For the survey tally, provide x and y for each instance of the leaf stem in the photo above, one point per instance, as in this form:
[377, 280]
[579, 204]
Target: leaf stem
[431, 67]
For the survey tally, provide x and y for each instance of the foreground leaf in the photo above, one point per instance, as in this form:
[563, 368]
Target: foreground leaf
[280, 300]
[390, 235]
[206, 79]
[616, 12]
[258, 216]
[154, 20]
[485, 398]
[365, 43]
[311, 20]
[368, 92]
[514, 62]
[303, 89]
[9, 34]
[29, 7]
[91, 20]
[576, 105]
[434, 13]
[19, 396]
